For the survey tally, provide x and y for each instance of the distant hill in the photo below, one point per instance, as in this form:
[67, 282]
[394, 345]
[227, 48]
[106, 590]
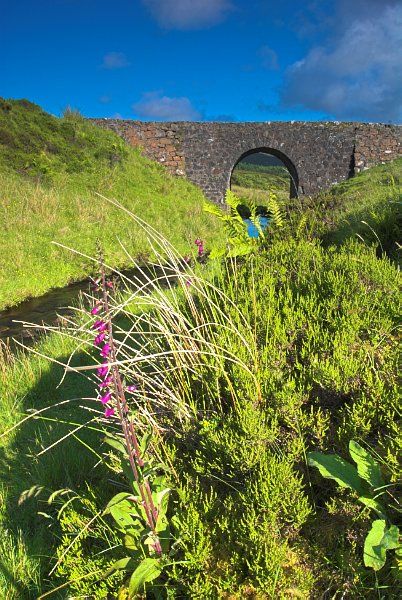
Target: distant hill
[260, 158]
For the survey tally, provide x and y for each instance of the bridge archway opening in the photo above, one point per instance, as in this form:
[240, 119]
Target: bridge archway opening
[260, 170]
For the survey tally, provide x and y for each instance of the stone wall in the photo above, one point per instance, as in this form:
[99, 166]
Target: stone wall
[376, 144]
[316, 154]
[162, 142]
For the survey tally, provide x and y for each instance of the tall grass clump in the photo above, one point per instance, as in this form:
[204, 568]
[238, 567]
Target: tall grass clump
[232, 373]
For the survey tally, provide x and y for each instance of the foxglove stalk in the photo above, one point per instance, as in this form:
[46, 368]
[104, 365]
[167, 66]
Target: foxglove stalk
[113, 397]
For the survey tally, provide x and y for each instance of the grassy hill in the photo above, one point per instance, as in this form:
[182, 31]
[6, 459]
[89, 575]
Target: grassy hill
[50, 171]
[368, 205]
[295, 350]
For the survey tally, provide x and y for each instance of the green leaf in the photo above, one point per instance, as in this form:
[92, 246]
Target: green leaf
[123, 510]
[148, 570]
[334, 467]
[123, 564]
[379, 539]
[367, 467]
[374, 504]
[115, 443]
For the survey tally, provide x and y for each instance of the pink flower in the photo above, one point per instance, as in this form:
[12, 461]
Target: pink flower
[96, 309]
[103, 370]
[105, 350]
[99, 339]
[109, 412]
[100, 326]
[188, 282]
[106, 382]
[105, 399]
[200, 245]
[132, 388]
[109, 284]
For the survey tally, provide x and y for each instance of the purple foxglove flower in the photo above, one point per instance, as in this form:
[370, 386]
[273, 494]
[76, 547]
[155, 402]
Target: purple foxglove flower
[198, 242]
[98, 325]
[132, 388]
[96, 309]
[109, 412]
[105, 350]
[99, 339]
[103, 370]
[106, 382]
[105, 399]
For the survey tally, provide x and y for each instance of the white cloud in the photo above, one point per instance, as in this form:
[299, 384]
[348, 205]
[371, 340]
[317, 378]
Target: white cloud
[357, 74]
[162, 108]
[269, 58]
[188, 14]
[115, 60]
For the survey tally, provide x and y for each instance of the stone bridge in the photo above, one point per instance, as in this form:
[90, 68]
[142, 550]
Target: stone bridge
[317, 154]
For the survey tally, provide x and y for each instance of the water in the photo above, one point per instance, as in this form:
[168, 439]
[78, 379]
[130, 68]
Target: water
[44, 310]
[52, 306]
[252, 229]
[48, 309]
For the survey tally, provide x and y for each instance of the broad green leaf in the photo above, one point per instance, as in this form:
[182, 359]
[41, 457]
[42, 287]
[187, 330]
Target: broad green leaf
[115, 443]
[148, 570]
[124, 564]
[123, 510]
[334, 467]
[119, 498]
[379, 539]
[374, 504]
[367, 467]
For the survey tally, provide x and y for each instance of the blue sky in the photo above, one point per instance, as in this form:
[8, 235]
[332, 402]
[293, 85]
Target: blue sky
[246, 60]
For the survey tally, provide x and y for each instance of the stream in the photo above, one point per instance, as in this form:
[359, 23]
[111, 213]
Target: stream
[55, 304]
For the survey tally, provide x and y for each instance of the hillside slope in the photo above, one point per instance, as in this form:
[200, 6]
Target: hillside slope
[50, 171]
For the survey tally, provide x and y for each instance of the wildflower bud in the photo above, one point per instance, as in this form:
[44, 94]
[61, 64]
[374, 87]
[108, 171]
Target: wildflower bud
[105, 350]
[99, 339]
[99, 325]
[109, 412]
[103, 370]
[188, 282]
[105, 399]
[106, 382]
[109, 284]
[96, 309]
[132, 388]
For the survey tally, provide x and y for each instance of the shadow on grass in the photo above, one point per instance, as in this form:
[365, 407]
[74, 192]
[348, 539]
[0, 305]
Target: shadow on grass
[68, 464]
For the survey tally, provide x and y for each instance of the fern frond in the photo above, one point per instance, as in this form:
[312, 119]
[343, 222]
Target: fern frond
[277, 217]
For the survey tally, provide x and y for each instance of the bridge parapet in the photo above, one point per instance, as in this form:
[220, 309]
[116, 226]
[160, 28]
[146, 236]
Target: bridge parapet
[317, 154]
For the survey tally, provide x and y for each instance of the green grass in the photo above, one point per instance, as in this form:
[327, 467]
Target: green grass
[316, 329]
[305, 357]
[367, 205]
[251, 183]
[50, 171]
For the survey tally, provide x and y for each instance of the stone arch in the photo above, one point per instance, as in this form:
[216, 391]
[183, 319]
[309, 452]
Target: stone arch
[294, 177]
